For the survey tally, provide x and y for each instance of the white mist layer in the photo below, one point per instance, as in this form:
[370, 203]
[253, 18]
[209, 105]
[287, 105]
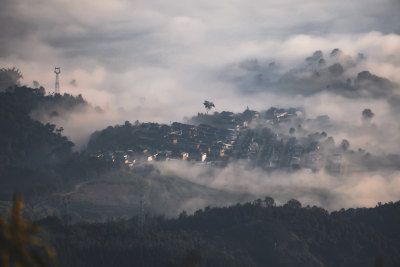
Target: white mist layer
[361, 189]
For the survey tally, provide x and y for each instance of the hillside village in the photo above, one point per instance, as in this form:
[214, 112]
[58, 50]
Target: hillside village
[272, 140]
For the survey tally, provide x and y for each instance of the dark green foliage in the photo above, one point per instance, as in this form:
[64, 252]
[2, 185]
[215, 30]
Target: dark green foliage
[208, 105]
[367, 114]
[293, 204]
[124, 244]
[222, 120]
[9, 77]
[269, 202]
[345, 144]
[128, 136]
[34, 157]
[25, 141]
[241, 235]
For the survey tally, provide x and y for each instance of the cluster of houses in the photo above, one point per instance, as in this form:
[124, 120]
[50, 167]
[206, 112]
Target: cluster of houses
[202, 144]
[235, 138]
[291, 153]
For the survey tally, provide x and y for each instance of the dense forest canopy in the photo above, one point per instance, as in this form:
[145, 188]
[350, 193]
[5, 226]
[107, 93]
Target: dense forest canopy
[34, 154]
[250, 234]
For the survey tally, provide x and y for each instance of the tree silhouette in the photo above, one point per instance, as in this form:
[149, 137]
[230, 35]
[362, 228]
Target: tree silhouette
[269, 202]
[293, 204]
[208, 105]
[345, 145]
[19, 244]
[9, 77]
[367, 114]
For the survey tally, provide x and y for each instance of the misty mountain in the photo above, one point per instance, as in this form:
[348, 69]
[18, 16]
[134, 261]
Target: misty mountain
[38, 161]
[281, 151]
[262, 145]
[273, 139]
[337, 74]
[201, 133]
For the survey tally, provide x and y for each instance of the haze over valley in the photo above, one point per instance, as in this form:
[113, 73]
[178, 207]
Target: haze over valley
[187, 128]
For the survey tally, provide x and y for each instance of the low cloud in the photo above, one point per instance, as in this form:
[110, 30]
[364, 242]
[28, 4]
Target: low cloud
[337, 74]
[350, 190]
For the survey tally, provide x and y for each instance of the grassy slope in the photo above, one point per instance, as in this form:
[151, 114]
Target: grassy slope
[118, 194]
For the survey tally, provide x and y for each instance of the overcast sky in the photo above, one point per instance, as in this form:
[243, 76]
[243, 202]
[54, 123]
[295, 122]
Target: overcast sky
[159, 60]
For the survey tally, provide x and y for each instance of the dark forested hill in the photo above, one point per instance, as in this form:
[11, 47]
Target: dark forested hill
[32, 154]
[38, 161]
[251, 234]
[26, 142]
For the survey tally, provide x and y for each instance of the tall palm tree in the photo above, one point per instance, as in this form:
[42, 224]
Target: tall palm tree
[19, 244]
[208, 105]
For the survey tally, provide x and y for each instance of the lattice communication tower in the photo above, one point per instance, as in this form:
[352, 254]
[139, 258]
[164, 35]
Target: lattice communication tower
[57, 71]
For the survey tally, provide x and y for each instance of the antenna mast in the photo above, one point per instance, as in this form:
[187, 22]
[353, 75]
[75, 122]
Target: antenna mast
[57, 71]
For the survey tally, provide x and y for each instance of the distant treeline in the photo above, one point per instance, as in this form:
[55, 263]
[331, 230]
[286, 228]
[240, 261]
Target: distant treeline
[251, 234]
